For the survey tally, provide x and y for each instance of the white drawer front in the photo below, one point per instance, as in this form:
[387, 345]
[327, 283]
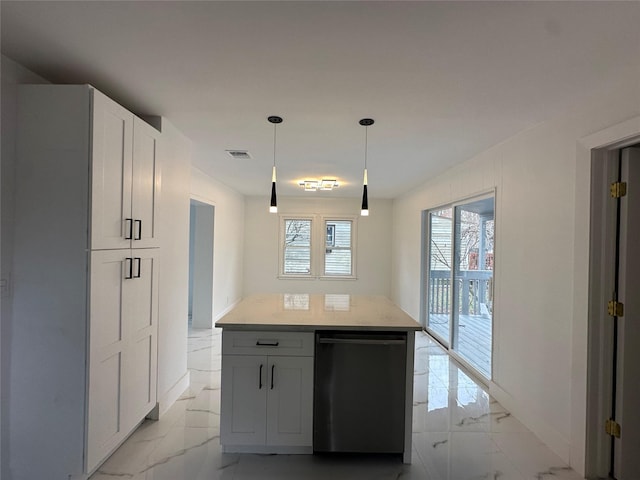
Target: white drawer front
[267, 343]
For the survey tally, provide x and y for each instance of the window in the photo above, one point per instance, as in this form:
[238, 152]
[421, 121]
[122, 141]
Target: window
[337, 257]
[317, 246]
[297, 246]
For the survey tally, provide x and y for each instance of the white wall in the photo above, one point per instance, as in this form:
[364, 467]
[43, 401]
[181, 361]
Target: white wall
[373, 251]
[12, 74]
[228, 239]
[534, 174]
[174, 266]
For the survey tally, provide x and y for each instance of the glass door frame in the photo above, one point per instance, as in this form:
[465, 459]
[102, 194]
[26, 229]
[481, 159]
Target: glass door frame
[424, 279]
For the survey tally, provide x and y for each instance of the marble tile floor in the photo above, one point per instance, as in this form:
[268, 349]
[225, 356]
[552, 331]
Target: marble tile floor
[459, 433]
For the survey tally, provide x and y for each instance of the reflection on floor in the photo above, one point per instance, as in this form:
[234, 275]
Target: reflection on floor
[459, 433]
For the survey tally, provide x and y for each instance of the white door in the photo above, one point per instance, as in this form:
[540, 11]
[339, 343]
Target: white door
[627, 446]
[107, 346]
[141, 333]
[243, 400]
[290, 401]
[145, 185]
[111, 222]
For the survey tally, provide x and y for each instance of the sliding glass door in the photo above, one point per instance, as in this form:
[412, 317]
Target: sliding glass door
[458, 290]
[439, 273]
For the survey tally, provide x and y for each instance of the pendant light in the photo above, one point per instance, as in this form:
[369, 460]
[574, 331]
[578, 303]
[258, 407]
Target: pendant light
[365, 122]
[273, 207]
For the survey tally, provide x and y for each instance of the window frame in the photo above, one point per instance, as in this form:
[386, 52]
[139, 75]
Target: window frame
[318, 246]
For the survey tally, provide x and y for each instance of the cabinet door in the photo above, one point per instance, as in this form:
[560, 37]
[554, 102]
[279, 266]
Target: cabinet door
[243, 400]
[107, 347]
[140, 331]
[123, 333]
[111, 166]
[290, 401]
[145, 185]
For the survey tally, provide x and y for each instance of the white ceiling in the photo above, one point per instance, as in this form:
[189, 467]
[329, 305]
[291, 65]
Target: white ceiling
[443, 80]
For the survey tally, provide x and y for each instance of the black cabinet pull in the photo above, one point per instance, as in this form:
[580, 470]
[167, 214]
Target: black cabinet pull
[272, 370]
[260, 343]
[138, 261]
[128, 266]
[139, 229]
[260, 378]
[128, 229]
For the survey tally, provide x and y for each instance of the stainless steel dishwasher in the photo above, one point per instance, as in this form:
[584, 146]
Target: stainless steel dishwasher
[359, 394]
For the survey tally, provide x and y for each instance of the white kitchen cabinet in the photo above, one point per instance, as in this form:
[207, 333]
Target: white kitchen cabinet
[125, 178]
[84, 301]
[290, 401]
[244, 400]
[122, 346]
[267, 392]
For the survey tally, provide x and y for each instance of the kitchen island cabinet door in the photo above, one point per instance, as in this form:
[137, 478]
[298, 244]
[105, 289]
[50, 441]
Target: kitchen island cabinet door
[243, 400]
[290, 401]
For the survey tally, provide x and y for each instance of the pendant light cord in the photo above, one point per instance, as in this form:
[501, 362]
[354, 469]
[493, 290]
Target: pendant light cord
[274, 144]
[366, 145]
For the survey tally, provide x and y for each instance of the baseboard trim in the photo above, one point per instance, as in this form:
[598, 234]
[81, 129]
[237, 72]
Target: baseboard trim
[540, 428]
[170, 397]
[267, 449]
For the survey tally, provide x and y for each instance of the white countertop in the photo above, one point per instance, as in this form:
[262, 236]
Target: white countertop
[317, 311]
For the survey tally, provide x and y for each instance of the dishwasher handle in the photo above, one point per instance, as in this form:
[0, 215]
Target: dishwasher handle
[362, 341]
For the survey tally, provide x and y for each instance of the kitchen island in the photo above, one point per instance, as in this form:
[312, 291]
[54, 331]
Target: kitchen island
[270, 374]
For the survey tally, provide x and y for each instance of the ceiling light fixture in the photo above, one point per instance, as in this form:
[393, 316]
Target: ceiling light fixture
[328, 184]
[315, 185]
[366, 123]
[273, 207]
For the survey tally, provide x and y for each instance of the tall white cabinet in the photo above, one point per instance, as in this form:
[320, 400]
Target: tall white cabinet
[86, 276]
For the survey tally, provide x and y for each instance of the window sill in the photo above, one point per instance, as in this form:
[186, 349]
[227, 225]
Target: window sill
[316, 277]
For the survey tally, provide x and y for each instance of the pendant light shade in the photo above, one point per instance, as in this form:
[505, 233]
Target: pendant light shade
[365, 122]
[273, 207]
[365, 199]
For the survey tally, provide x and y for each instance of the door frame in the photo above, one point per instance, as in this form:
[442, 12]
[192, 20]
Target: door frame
[591, 345]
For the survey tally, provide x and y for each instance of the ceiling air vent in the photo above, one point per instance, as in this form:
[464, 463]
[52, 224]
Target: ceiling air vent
[239, 154]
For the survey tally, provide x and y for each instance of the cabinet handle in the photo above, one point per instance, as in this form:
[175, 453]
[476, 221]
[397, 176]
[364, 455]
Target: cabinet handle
[139, 261]
[272, 370]
[260, 378]
[128, 265]
[139, 229]
[260, 343]
[128, 229]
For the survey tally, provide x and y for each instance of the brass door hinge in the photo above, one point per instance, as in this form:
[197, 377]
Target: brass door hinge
[612, 428]
[615, 309]
[618, 189]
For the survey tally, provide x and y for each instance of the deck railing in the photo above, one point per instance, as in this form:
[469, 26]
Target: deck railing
[473, 288]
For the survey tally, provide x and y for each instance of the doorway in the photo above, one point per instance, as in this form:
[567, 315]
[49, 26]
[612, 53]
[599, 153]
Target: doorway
[614, 314]
[201, 228]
